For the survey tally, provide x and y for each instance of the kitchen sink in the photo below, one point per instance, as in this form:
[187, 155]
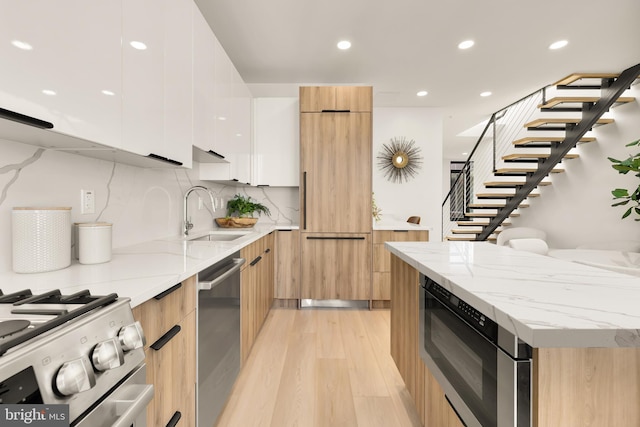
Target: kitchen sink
[219, 236]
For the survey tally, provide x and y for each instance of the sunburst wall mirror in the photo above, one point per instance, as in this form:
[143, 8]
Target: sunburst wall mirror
[400, 160]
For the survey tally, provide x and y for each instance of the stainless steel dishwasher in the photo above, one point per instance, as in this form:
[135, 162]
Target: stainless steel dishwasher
[218, 336]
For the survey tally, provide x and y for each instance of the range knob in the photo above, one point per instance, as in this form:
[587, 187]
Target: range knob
[131, 337]
[75, 376]
[107, 355]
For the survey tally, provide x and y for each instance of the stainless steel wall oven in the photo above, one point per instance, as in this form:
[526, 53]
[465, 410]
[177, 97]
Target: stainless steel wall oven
[484, 370]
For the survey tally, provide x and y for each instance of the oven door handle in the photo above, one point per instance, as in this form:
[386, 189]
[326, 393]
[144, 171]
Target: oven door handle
[131, 401]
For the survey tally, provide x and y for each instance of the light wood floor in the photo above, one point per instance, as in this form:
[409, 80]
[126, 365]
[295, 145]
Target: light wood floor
[321, 368]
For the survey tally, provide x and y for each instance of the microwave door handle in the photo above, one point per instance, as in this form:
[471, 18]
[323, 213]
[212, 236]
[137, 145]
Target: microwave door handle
[132, 400]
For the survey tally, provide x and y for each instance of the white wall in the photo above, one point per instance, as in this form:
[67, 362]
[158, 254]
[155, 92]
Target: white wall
[143, 204]
[576, 208]
[422, 195]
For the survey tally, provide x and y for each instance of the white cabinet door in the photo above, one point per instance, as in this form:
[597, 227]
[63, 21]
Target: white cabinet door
[241, 129]
[143, 76]
[204, 45]
[276, 146]
[61, 62]
[178, 80]
[223, 95]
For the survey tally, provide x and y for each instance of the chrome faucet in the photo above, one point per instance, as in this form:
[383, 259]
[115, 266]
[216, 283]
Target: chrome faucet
[188, 225]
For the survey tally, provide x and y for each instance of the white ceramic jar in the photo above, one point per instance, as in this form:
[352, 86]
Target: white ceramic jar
[94, 242]
[41, 239]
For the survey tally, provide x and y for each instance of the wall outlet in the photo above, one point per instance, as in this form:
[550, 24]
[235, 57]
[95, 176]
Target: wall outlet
[87, 202]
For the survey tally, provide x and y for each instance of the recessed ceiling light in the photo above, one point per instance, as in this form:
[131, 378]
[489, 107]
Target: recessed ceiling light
[48, 92]
[485, 94]
[344, 44]
[222, 118]
[466, 44]
[464, 154]
[238, 134]
[422, 93]
[107, 92]
[558, 45]
[22, 45]
[138, 45]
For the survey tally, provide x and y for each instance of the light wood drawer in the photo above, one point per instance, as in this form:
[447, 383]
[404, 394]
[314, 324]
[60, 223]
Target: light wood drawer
[162, 312]
[381, 236]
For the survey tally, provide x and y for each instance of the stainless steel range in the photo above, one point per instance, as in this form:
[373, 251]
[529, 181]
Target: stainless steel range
[81, 350]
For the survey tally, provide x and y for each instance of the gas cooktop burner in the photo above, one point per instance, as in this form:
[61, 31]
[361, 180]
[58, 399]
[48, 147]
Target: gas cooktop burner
[24, 316]
[9, 327]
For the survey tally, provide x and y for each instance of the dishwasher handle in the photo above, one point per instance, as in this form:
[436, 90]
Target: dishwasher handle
[210, 284]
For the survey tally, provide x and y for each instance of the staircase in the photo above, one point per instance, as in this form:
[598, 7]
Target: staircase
[522, 145]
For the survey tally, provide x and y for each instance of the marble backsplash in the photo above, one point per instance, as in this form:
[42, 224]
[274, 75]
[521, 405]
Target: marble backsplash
[143, 204]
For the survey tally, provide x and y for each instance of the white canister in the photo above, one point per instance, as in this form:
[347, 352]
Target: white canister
[94, 242]
[41, 239]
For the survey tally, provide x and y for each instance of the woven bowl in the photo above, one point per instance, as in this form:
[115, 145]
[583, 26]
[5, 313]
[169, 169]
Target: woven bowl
[236, 222]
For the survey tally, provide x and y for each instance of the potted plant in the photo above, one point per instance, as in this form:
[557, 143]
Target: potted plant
[631, 164]
[240, 212]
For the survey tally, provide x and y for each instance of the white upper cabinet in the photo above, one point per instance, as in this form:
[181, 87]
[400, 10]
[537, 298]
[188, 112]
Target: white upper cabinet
[276, 147]
[61, 63]
[229, 118]
[157, 79]
[178, 80]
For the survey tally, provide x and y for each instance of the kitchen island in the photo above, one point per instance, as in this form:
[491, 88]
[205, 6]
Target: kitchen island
[581, 322]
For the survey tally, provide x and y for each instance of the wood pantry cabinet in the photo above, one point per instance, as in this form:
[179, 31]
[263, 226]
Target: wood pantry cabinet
[335, 192]
[256, 290]
[381, 290]
[169, 323]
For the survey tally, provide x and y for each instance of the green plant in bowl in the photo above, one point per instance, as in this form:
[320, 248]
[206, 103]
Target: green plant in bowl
[241, 206]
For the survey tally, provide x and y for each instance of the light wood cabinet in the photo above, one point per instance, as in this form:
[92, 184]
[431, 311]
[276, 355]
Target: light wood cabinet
[405, 339]
[336, 266]
[316, 99]
[256, 290]
[287, 265]
[169, 323]
[335, 162]
[381, 289]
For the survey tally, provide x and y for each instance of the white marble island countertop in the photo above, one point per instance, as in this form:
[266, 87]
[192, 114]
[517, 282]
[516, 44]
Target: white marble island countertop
[138, 272]
[546, 302]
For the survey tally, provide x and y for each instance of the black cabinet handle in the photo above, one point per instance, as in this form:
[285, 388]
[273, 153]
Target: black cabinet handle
[234, 179]
[284, 229]
[334, 238]
[304, 200]
[262, 185]
[168, 291]
[24, 119]
[218, 155]
[400, 231]
[174, 420]
[336, 111]
[267, 251]
[163, 340]
[255, 261]
[164, 159]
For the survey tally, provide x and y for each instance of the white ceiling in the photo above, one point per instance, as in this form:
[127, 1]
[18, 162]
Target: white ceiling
[402, 46]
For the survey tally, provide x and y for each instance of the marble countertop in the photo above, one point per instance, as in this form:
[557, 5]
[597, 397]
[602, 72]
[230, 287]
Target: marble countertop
[545, 301]
[139, 272]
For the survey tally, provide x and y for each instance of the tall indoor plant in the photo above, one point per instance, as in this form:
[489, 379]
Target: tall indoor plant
[631, 164]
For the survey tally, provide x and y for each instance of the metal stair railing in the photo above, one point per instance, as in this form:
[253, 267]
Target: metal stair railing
[502, 128]
[590, 115]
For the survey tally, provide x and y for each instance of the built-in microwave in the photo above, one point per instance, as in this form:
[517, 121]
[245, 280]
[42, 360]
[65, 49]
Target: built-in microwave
[484, 370]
